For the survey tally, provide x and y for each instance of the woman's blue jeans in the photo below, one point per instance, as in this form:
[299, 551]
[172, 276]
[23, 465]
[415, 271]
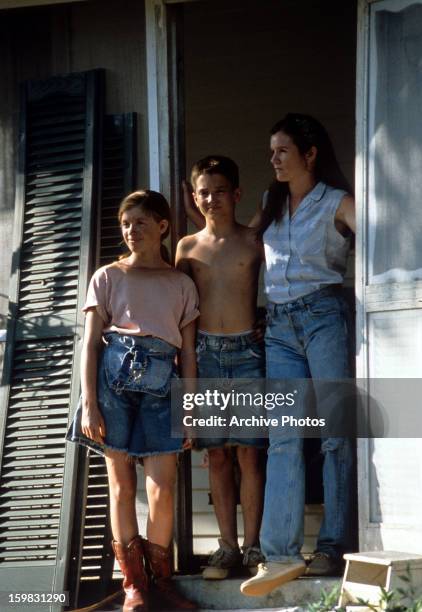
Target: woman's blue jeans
[307, 338]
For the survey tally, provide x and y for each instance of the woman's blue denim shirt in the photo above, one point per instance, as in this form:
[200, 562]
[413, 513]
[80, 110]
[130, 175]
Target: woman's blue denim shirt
[305, 252]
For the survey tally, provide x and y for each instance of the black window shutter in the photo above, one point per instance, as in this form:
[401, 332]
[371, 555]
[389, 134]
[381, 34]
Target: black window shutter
[52, 261]
[92, 556]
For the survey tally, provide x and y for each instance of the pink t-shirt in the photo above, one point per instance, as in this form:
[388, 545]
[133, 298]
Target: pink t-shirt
[143, 301]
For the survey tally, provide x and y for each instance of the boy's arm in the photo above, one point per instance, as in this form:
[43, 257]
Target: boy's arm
[256, 220]
[182, 260]
[191, 210]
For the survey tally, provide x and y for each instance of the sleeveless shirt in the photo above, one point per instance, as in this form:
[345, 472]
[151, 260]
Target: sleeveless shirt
[305, 252]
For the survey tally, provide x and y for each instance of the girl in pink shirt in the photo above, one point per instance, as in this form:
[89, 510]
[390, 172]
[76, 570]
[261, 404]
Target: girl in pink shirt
[140, 313]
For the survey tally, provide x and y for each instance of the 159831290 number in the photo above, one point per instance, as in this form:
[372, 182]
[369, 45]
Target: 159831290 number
[38, 597]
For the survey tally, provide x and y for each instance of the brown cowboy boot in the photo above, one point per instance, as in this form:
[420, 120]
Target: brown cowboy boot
[135, 581]
[159, 566]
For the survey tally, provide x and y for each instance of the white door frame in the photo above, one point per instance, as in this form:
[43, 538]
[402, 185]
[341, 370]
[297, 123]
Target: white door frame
[371, 298]
[158, 93]
[166, 169]
[361, 228]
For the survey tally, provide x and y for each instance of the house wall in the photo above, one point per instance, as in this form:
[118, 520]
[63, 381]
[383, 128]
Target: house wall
[25, 52]
[111, 35]
[41, 42]
[246, 64]
[249, 63]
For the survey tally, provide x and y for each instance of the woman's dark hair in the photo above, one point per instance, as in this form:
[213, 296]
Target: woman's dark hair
[153, 204]
[305, 132]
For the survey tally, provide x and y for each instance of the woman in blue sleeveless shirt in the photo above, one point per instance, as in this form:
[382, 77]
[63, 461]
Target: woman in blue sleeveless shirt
[306, 222]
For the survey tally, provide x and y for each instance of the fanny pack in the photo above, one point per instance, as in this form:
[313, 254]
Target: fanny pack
[139, 364]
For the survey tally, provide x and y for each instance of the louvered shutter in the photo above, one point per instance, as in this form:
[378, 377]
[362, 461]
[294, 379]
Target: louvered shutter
[51, 264]
[118, 179]
[92, 559]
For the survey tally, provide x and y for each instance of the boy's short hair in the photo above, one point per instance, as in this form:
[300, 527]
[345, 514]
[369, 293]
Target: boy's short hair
[216, 164]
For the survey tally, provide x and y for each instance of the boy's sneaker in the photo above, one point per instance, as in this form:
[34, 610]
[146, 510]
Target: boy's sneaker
[324, 564]
[222, 561]
[252, 556]
[272, 574]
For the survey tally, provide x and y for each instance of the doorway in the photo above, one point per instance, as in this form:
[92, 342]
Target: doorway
[245, 65]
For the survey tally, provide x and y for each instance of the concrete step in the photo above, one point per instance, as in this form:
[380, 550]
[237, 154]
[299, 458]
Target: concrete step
[226, 595]
[259, 610]
[118, 608]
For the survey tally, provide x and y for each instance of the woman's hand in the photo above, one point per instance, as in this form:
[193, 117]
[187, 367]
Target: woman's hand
[92, 423]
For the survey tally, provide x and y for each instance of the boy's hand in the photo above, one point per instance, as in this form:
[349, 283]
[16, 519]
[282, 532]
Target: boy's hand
[191, 210]
[187, 444]
[258, 332]
[188, 441]
[187, 194]
[188, 200]
[205, 463]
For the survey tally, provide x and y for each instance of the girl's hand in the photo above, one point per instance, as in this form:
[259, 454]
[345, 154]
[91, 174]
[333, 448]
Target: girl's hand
[92, 424]
[187, 444]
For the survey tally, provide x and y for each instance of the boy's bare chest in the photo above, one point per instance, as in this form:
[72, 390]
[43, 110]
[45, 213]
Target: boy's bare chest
[232, 260]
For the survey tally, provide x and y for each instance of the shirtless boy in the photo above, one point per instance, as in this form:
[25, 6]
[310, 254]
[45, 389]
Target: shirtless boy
[224, 260]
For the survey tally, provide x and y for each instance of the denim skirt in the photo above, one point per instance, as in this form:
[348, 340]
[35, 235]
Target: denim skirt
[133, 395]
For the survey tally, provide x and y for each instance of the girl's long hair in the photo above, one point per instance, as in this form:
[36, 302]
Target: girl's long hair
[153, 204]
[305, 132]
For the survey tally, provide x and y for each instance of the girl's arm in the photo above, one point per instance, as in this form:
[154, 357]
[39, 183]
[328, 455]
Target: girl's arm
[187, 363]
[92, 421]
[187, 356]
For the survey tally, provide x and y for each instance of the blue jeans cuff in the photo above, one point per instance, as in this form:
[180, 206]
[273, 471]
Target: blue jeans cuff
[281, 558]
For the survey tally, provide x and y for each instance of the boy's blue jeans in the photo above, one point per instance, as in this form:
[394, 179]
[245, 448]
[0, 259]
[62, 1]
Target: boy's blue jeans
[306, 338]
[229, 357]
